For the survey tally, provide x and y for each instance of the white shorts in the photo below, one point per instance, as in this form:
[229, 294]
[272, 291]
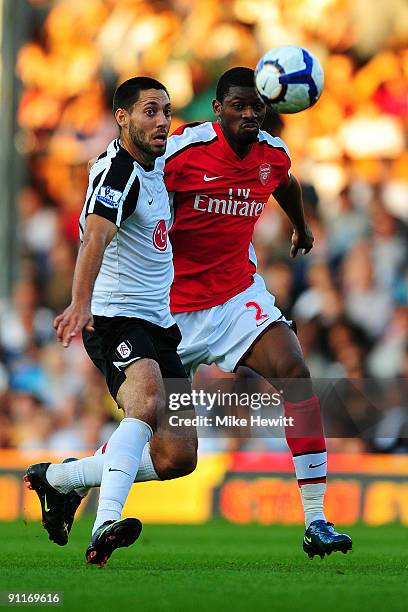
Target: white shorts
[223, 334]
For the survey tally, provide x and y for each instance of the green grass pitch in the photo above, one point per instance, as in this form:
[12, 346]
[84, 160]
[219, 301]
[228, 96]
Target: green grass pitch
[212, 567]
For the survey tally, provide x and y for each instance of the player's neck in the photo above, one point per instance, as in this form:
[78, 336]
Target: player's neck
[241, 149]
[143, 158]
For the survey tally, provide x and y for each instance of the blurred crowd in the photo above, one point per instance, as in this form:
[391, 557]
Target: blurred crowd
[349, 296]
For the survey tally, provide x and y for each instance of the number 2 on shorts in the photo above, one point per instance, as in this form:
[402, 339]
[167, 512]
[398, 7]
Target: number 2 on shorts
[259, 314]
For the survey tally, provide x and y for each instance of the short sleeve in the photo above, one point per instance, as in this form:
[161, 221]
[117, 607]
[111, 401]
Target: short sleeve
[285, 171]
[114, 192]
[285, 161]
[172, 174]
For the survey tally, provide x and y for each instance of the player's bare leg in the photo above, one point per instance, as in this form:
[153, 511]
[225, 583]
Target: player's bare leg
[278, 355]
[173, 457]
[141, 397]
[167, 455]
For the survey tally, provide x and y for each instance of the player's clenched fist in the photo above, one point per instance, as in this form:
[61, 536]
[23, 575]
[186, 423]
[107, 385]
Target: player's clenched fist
[302, 240]
[71, 322]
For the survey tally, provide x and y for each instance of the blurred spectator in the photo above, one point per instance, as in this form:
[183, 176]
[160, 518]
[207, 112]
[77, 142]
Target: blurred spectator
[389, 252]
[312, 302]
[349, 296]
[367, 304]
[38, 226]
[347, 226]
[309, 333]
[23, 321]
[279, 281]
[387, 356]
[35, 435]
[57, 290]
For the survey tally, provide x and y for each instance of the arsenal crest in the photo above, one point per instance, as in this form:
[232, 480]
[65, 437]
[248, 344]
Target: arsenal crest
[264, 173]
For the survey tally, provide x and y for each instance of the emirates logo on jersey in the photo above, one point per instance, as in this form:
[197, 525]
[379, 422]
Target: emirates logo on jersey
[160, 236]
[264, 173]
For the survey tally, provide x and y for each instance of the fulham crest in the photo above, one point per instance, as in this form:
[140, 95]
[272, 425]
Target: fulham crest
[124, 349]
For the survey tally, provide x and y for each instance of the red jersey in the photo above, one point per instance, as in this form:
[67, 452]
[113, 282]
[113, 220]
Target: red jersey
[217, 198]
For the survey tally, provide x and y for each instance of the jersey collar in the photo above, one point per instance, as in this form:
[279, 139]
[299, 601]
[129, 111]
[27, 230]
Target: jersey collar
[226, 145]
[123, 152]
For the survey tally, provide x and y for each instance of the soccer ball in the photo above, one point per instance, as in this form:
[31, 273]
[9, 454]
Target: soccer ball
[289, 79]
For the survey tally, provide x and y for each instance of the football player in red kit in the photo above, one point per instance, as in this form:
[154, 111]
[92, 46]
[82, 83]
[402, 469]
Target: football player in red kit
[219, 176]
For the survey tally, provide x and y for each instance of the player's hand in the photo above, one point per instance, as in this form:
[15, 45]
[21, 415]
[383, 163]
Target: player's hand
[71, 322]
[302, 240]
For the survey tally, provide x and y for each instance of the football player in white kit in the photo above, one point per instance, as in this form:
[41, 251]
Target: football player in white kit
[120, 302]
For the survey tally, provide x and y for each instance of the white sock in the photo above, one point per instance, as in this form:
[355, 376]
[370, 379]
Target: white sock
[80, 475]
[122, 458]
[146, 469]
[98, 467]
[312, 499]
[91, 472]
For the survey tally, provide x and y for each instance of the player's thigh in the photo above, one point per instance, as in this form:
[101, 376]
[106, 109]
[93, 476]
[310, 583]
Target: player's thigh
[193, 348]
[142, 394]
[179, 440]
[277, 355]
[123, 348]
[239, 323]
[166, 343]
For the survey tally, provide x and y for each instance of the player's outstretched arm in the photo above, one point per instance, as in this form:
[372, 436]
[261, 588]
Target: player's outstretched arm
[289, 198]
[97, 235]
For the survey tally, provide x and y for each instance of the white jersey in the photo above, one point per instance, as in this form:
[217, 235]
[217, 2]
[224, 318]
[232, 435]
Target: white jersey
[137, 267]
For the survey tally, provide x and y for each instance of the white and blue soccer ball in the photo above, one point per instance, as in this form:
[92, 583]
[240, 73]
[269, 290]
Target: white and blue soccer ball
[289, 79]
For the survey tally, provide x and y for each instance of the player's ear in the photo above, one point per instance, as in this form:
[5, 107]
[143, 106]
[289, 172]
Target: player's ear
[217, 106]
[121, 116]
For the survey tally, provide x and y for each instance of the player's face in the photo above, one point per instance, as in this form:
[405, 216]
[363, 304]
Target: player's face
[149, 122]
[240, 114]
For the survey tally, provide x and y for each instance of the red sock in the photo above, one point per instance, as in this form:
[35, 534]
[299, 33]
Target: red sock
[305, 438]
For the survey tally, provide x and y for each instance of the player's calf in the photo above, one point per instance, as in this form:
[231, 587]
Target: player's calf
[173, 458]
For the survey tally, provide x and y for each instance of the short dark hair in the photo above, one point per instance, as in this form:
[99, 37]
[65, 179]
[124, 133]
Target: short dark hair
[128, 92]
[238, 77]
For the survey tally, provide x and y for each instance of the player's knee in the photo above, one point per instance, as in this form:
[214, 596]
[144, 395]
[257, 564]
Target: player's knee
[295, 380]
[182, 466]
[169, 466]
[293, 368]
[146, 409]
